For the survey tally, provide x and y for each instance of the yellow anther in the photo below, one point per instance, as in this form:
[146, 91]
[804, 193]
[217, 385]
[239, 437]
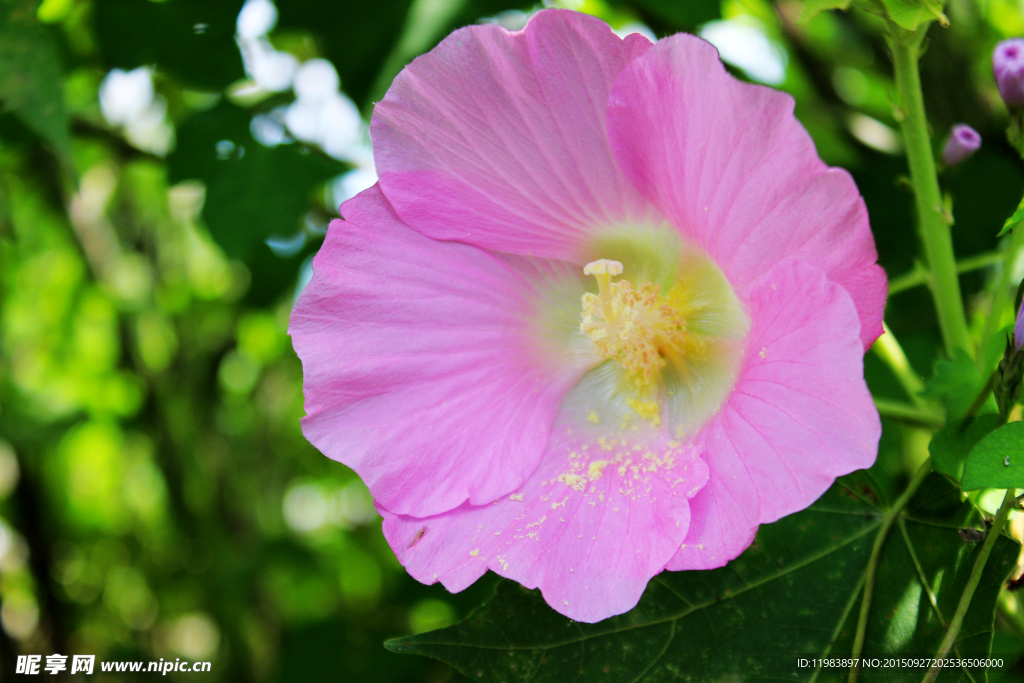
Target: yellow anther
[636, 327]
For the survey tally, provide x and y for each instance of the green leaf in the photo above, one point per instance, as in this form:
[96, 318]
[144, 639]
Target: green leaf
[950, 447]
[356, 36]
[31, 75]
[682, 16]
[1014, 220]
[795, 593]
[956, 383]
[911, 14]
[252, 191]
[192, 39]
[997, 461]
[813, 8]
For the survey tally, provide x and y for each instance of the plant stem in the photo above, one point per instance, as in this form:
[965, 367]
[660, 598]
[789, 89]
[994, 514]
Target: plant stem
[934, 232]
[889, 351]
[919, 276]
[876, 552]
[904, 411]
[972, 582]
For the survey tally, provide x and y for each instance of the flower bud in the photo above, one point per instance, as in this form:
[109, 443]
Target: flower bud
[963, 142]
[1018, 329]
[1008, 66]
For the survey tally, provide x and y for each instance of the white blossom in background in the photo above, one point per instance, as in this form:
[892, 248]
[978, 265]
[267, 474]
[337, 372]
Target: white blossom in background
[270, 70]
[322, 114]
[362, 177]
[745, 45]
[256, 19]
[128, 100]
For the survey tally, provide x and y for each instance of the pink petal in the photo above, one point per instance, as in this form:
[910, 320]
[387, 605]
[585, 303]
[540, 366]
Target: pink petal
[425, 369]
[799, 417]
[732, 169]
[498, 139]
[592, 548]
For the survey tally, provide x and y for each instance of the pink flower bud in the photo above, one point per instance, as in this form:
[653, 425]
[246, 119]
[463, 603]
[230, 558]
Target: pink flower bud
[963, 142]
[1008, 66]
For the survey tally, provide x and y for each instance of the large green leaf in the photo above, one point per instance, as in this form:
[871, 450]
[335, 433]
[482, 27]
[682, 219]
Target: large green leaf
[30, 74]
[998, 460]
[795, 593]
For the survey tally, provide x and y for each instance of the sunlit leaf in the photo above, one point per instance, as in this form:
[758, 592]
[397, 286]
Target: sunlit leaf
[911, 14]
[1013, 220]
[795, 593]
[813, 8]
[997, 461]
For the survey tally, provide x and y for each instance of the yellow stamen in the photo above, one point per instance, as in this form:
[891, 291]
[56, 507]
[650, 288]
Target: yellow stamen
[636, 327]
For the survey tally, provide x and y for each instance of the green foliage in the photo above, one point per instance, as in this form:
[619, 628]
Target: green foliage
[907, 14]
[952, 444]
[252, 191]
[813, 8]
[912, 14]
[997, 461]
[1014, 220]
[155, 486]
[956, 383]
[191, 39]
[30, 74]
[685, 16]
[795, 593]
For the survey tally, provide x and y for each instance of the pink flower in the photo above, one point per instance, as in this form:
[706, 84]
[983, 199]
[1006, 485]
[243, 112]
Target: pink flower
[604, 314]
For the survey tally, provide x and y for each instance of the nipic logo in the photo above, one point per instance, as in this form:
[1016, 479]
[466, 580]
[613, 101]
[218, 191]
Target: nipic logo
[30, 664]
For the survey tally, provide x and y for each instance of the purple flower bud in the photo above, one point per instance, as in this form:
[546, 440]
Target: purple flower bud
[1018, 329]
[963, 142]
[1008, 66]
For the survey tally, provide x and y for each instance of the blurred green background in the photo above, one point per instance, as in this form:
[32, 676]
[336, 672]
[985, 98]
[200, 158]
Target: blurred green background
[167, 170]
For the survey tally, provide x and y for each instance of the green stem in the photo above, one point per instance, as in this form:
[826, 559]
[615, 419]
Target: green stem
[934, 232]
[919, 276]
[876, 552]
[909, 413]
[972, 582]
[889, 351]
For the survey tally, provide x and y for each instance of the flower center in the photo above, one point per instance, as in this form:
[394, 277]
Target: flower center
[636, 327]
[665, 327]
